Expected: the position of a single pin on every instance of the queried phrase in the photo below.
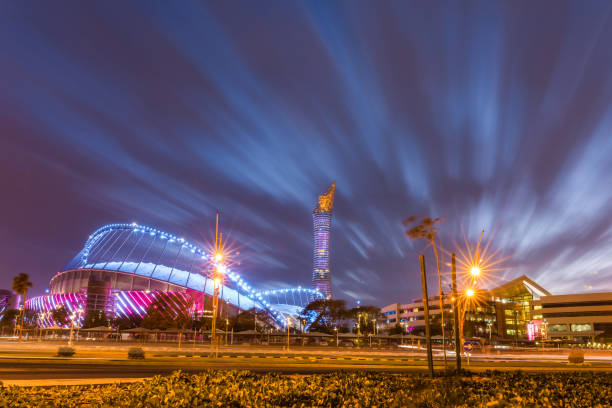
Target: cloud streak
(485, 113)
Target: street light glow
(218, 257)
(469, 292)
(475, 271)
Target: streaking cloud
(484, 113)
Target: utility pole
(426, 307)
(456, 314)
(288, 325)
(217, 276)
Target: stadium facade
(322, 219)
(123, 268)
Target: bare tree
(426, 229)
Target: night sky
(497, 116)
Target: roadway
(36, 363)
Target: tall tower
(322, 218)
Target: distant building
(322, 219)
(519, 309)
(8, 300)
(577, 317)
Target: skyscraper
(322, 218)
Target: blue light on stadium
(122, 270)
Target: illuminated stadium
(123, 268)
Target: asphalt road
(59, 369)
(36, 362)
(67, 370)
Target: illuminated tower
(322, 218)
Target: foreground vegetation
(364, 389)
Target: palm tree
(21, 283)
(427, 230)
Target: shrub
(577, 389)
(576, 356)
(65, 351)
(136, 353)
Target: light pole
(455, 312)
(41, 321)
(226, 326)
(337, 340)
(218, 271)
(358, 329)
(374, 331)
(288, 326)
(216, 284)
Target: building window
(579, 314)
(580, 327)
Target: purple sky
(495, 115)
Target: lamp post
(226, 326)
(40, 326)
(288, 326)
(456, 313)
(218, 271)
(337, 340)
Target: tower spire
(326, 201)
(322, 217)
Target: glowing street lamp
(475, 271)
(218, 271)
(469, 292)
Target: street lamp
(217, 284)
(41, 321)
(226, 327)
(218, 271)
(475, 271)
(288, 326)
(337, 340)
(469, 292)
